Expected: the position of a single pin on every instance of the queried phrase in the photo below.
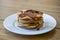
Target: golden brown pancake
(30, 19)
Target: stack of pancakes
(30, 19)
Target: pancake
(30, 19)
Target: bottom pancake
(30, 26)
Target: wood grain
(6, 35)
(9, 7)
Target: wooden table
(51, 7)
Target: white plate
(10, 24)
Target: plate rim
(28, 34)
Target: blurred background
(12, 6)
(9, 7)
